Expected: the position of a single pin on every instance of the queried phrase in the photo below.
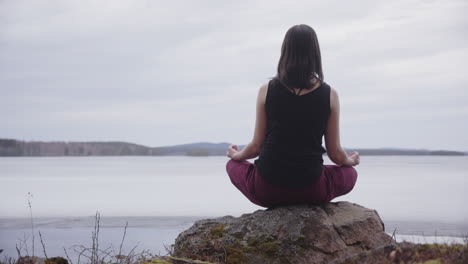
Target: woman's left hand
(232, 150)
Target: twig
(95, 238)
(393, 237)
(7, 260)
(81, 253)
(103, 254)
(169, 250)
(66, 254)
(30, 196)
(95, 255)
(43, 245)
(133, 249)
(25, 244)
(123, 239)
(18, 251)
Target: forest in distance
(18, 148)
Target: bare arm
(332, 136)
(253, 148)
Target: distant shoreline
(404, 227)
(18, 148)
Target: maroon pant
(334, 181)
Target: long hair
(300, 60)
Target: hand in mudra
(354, 156)
(232, 149)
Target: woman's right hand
(353, 158)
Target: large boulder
(289, 234)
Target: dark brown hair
(300, 60)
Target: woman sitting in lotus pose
(294, 111)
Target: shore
(157, 234)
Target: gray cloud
(166, 73)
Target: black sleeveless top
(291, 155)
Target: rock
(289, 234)
(39, 260)
(30, 260)
(56, 260)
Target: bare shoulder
(262, 92)
(333, 92)
(334, 99)
(263, 88)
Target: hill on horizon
(15, 148)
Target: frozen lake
(415, 194)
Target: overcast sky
(170, 72)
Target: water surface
(416, 195)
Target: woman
(294, 111)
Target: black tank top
(291, 155)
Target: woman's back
(291, 155)
(288, 133)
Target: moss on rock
(217, 231)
